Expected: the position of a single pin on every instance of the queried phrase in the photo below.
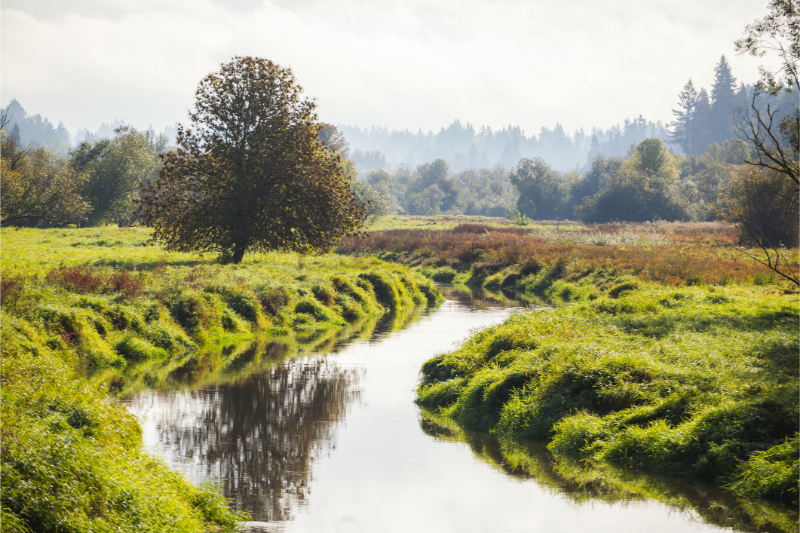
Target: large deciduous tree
(252, 172)
(542, 191)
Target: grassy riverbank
(585, 484)
(85, 312)
(694, 381)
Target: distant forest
(35, 130)
(701, 118)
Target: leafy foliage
(38, 187)
(644, 188)
(254, 173)
(115, 171)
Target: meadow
(90, 314)
(667, 350)
(668, 253)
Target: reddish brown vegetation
(491, 250)
(12, 288)
(84, 279)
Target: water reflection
(255, 418)
(583, 484)
(231, 362)
(478, 299)
(259, 419)
(258, 435)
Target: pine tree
(682, 128)
(723, 93)
(701, 123)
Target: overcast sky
(418, 64)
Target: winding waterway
(323, 435)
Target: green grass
(89, 311)
(584, 483)
(697, 382)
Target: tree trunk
(238, 253)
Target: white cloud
(400, 64)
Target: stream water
(324, 436)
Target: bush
(763, 206)
(443, 274)
(196, 311)
(137, 349)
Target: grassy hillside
(694, 381)
(85, 312)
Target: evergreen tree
(15, 134)
(723, 93)
(702, 134)
(681, 128)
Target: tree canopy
(252, 172)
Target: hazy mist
(403, 65)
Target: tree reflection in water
(260, 434)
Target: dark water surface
(324, 436)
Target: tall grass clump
(696, 382)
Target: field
(668, 253)
(88, 313)
(678, 354)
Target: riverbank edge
(458, 385)
(71, 457)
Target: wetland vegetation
(96, 311)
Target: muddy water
(330, 440)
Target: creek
(323, 435)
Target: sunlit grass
(88, 311)
(696, 381)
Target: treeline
(35, 130)
(463, 147)
(653, 184)
(28, 130)
(432, 189)
(96, 183)
(703, 118)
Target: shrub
(443, 274)
(196, 310)
(13, 288)
(315, 310)
(137, 349)
(126, 283)
(324, 294)
(384, 289)
(272, 299)
(622, 288)
(75, 278)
